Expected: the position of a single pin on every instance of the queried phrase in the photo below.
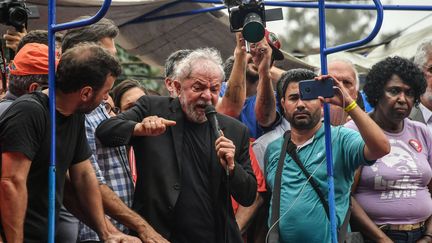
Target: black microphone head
(210, 110)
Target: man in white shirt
(423, 59)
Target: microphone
(210, 113)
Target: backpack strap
(292, 151)
(290, 148)
(274, 233)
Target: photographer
(249, 95)
(13, 37)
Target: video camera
(248, 17)
(14, 13)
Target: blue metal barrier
(324, 51)
(52, 28)
(150, 16)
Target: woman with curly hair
(395, 192)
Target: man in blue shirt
(302, 215)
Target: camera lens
(253, 28)
(308, 90)
(17, 16)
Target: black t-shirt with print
(25, 128)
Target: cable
(295, 200)
(308, 179)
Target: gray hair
(185, 66)
(422, 53)
(349, 63)
(90, 33)
(19, 85)
(173, 60)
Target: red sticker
(415, 144)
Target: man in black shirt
(182, 189)
(85, 74)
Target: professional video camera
(249, 17)
(14, 13)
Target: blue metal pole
(149, 17)
(52, 28)
(328, 145)
(370, 37)
(331, 5)
(180, 14)
(324, 52)
(143, 18)
(52, 102)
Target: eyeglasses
(109, 108)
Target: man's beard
(87, 107)
(305, 123)
(192, 114)
(251, 75)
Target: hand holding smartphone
(311, 89)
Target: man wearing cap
(25, 145)
(249, 94)
(28, 73)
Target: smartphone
(311, 89)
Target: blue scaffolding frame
(152, 16)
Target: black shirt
(25, 128)
(194, 212)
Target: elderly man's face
(427, 70)
(199, 89)
(344, 73)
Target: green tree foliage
(342, 26)
(134, 68)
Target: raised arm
(231, 104)
(14, 171)
(376, 142)
(265, 106)
(136, 121)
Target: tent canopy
(153, 41)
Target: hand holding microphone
(225, 148)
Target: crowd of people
(135, 166)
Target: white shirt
(259, 146)
(427, 115)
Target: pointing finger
(168, 123)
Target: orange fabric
(261, 185)
(30, 60)
(132, 164)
